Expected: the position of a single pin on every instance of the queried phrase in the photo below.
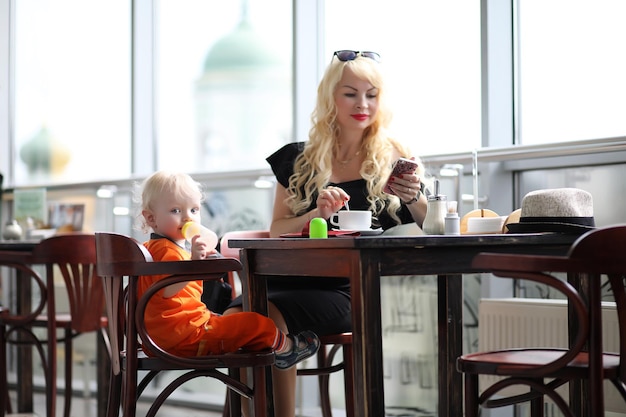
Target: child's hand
(199, 249)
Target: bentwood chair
(330, 344)
(120, 257)
(541, 370)
(71, 256)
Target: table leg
(256, 289)
(450, 335)
(24, 364)
(369, 399)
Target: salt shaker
(12, 230)
(436, 213)
(452, 222)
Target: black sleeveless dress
(318, 304)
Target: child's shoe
(304, 345)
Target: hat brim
(540, 227)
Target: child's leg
(244, 330)
(284, 381)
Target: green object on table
(318, 228)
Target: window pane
(572, 83)
(223, 83)
(431, 52)
(72, 90)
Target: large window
(432, 55)
(223, 83)
(572, 70)
(72, 90)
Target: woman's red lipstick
(360, 117)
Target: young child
(176, 317)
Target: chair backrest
(117, 257)
(603, 251)
(234, 252)
(239, 234)
(74, 256)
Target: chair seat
(518, 362)
(336, 339)
(63, 320)
(229, 360)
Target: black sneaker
(304, 345)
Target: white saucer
(366, 232)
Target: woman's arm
(283, 220)
(329, 201)
(418, 209)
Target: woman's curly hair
(313, 167)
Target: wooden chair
(543, 370)
(120, 256)
(330, 344)
(73, 256)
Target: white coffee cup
(352, 219)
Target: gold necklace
(345, 161)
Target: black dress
(318, 304)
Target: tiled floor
(87, 408)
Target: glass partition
(571, 78)
(72, 90)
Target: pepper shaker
(452, 221)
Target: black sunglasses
(351, 55)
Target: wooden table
(364, 260)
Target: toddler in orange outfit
(176, 318)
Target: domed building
(243, 101)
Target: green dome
(243, 48)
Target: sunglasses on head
(352, 55)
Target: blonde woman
(348, 157)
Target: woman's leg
(284, 381)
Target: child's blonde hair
(176, 183)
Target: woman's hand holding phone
(403, 166)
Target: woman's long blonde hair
(313, 167)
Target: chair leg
(348, 382)
(471, 395)
(233, 400)
(323, 382)
(68, 373)
(536, 407)
(260, 393)
(115, 395)
(226, 410)
(5, 403)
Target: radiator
(520, 322)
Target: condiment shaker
(436, 213)
(12, 230)
(452, 221)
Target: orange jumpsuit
(184, 326)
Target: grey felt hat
(563, 210)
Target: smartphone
(402, 166)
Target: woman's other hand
(330, 200)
